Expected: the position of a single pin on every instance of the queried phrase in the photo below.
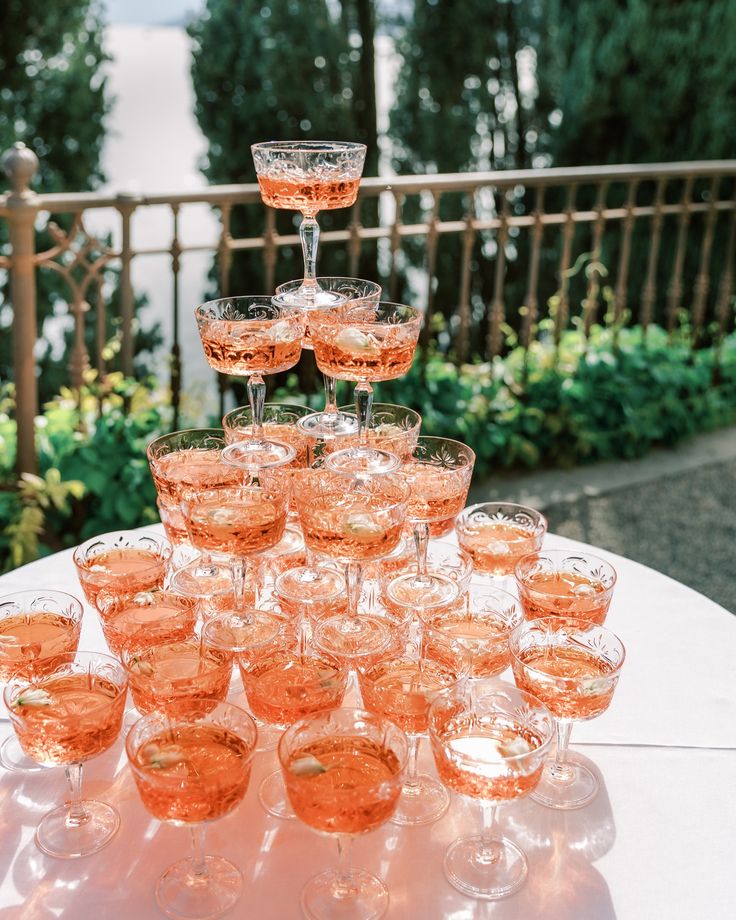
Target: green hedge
(615, 395)
(94, 475)
(607, 398)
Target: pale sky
(151, 12)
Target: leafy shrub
(92, 460)
(615, 395)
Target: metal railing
(503, 219)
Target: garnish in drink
(123, 563)
(558, 583)
(573, 667)
(497, 535)
(192, 772)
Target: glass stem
(411, 782)
(256, 570)
(343, 884)
(303, 637)
(199, 856)
(237, 567)
(488, 850)
(421, 542)
(330, 397)
(257, 399)
(561, 769)
(354, 581)
(77, 814)
(363, 406)
(309, 236)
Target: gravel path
(683, 525)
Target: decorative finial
(20, 164)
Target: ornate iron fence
(506, 219)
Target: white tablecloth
(658, 841)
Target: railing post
(126, 206)
(20, 165)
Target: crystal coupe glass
(489, 741)
(331, 423)
(343, 773)
(563, 583)
(67, 716)
(573, 667)
(401, 686)
(365, 343)
(248, 337)
(498, 534)
(438, 475)
(36, 626)
(309, 176)
(190, 769)
(353, 521)
(188, 458)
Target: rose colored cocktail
(343, 774)
(401, 686)
(489, 741)
(498, 534)
(67, 716)
(187, 459)
(480, 623)
(191, 768)
(166, 673)
(573, 667)
(365, 343)
(163, 613)
(124, 563)
(309, 176)
(561, 583)
(36, 626)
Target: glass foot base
(352, 638)
(488, 872)
(362, 460)
(13, 758)
(203, 580)
(182, 894)
(421, 803)
(328, 426)
(425, 592)
(310, 297)
(258, 455)
(273, 798)
(355, 895)
(564, 792)
(55, 836)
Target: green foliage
(564, 83)
(54, 99)
(274, 71)
(464, 103)
(461, 102)
(53, 94)
(35, 496)
(95, 476)
(641, 81)
(616, 395)
(613, 395)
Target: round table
(658, 840)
